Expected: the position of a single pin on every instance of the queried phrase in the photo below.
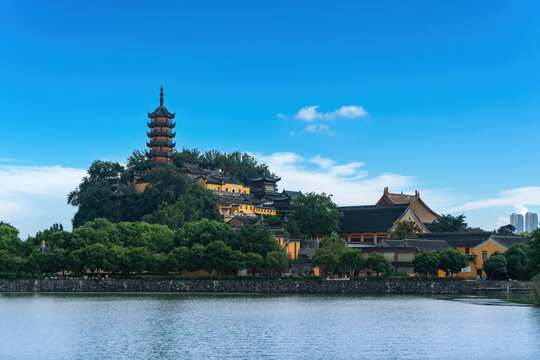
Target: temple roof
(370, 218)
(505, 241)
(161, 111)
(458, 238)
(424, 213)
(263, 177)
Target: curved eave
(161, 134)
(161, 144)
(161, 111)
(153, 124)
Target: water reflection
(171, 326)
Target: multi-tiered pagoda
(161, 135)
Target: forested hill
(107, 190)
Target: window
(484, 255)
(467, 251)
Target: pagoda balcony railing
(154, 153)
(169, 134)
(160, 143)
(167, 124)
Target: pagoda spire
(161, 96)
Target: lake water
(184, 326)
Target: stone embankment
(277, 286)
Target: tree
(327, 256)
(9, 239)
(507, 230)
(95, 256)
(452, 260)
(534, 253)
(495, 266)
(518, 266)
(316, 214)
(98, 231)
(118, 260)
(325, 261)
(217, 256)
(30, 266)
(351, 261)
(94, 196)
(195, 260)
(277, 261)
(138, 259)
(253, 261)
(427, 263)
(177, 260)
(254, 239)
(4, 261)
(204, 232)
(449, 223)
(379, 263)
(405, 230)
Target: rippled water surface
(172, 326)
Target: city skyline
(346, 100)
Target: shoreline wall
(278, 286)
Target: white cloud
(310, 113)
(514, 197)
(319, 128)
(520, 209)
(322, 162)
(349, 183)
(502, 221)
(33, 198)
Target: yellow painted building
(478, 254)
(223, 184)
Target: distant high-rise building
(531, 221)
(518, 222)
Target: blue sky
(450, 93)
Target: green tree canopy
(9, 239)
(534, 253)
(315, 214)
(277, 261)
(427, 263)
(379, 263)
(452, 260)
(351, 261)
(253, 261)
(506, 230)
(518, 266)
(405, 230)
(495, 266)
(449, 223)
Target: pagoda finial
(161, 96)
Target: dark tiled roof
(458, 238)
(388, 243)
(369, 218)
(292, 194)
(508, 241)
(427, 245)
(263, 177)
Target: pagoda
(161, 135)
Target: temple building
(160, 145)
(365, 226)
(424, 213)
(264, 186)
